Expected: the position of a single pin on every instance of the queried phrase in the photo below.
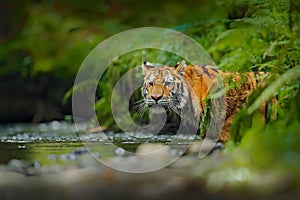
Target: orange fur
(198, 82)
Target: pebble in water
(16, 165)
(120, 151)
(22, 147)
(23, 167)
(55, 125)
(70, 156)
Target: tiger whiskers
(140, 107)
(172, 106)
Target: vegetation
(253, 36)
(241, 36)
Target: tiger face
(165, 86)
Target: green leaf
(272, 90)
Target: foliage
(268, 41)
(263, 38)
(53, 36)
(247, 35)
(266, 38)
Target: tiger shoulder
(177, 87)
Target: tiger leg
(225, 133)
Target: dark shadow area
(33, 99)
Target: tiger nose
(156, 98)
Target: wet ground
(50, 161)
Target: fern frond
(272, 90)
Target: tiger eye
(150, 83)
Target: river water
(60, 142)
(52, 161)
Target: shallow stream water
(62, 143)
(52, 161)
(37, 142)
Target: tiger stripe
(196, 82)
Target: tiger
(182, 85)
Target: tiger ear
(180, 67)
(146, 66)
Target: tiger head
(165, 86)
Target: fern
(262, 35)
(265, 39)
(289, 76)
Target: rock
(147, 158)
(120, 151)
(204, 147)
(154, 156)
(17, 166)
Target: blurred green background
(43, 44)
